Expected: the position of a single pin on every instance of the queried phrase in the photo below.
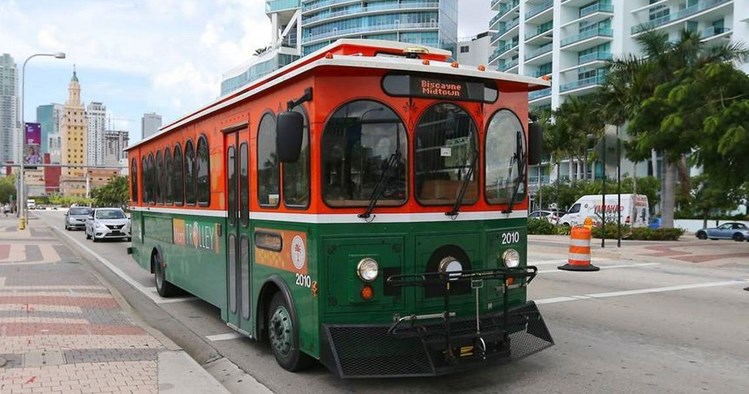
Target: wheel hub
(281, 331)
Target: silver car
(108, 223)
(76, 217)
(731, 230)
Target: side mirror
(535, 143)
(289, 135)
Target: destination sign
(429, 87)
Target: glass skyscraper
(301, 27)
(8, 108)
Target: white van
(30, 204)
(634, 210)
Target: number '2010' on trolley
(365, 206)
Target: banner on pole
(32, 143)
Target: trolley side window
(364, 144)
(296, 175)
(202, 173)
(169, 169)
(505, 144)
(159, 178)
(143, 176)
(151, 180)
(189, 173)
(134, 180)
(446, 156)
(178, 187)
(268, 175)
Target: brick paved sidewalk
(61, 328)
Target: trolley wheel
(283, 336)
(701, 235)
(163, 287)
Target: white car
(549, 216)
(108, 223)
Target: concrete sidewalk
(65, 330)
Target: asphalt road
(645, 323)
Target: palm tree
(578, 122)
(633, 80)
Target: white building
(96, 115)
(150, 123)
(301, 27)
(570, 41)
(474, 50)
(115, 141)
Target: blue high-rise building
(301, 27)
(49, 117)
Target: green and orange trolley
(365, 206)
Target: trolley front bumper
(369, 351)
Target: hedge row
(543, 227)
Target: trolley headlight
(367, 269)
(511, 258)
(451, 266)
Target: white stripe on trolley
(335, 218)
(556, 300)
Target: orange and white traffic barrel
(579, 257)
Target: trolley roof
(360, 53)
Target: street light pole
(21, 186)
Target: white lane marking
(563, 261)
(225, 337)
(147, 291)
(604, 267)
(639, 291)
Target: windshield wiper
(520, 157)
(380, 186)
(463, 188)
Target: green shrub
(639, 233)
(540, 227)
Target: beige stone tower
(73, 131)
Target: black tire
(87, 236)
(701, 235)
(163, 287)
(738, 237)
(93, 238)
(283, 336)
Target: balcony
(687, 12)
(582, 83)
(494, 5)
(372, 8)
(509, 26)
(591, 57)
(539, 94)
(601, 32)
(501, 51)
(280, 5)
(508, 65)
(368, 30)
(713, 31)
(537, 32)
(539, 9)
(320, 4)
(542, 50)
(598, 7)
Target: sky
(138, 56)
